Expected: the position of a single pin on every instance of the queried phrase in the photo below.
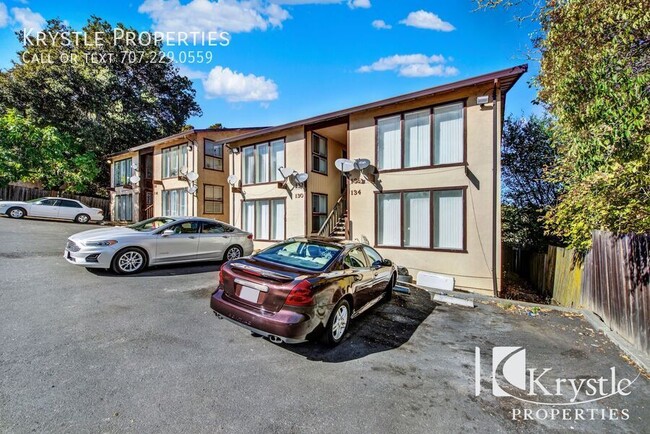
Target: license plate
(249, 294)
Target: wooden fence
(13, 192)
(612, 280)
(616, 284)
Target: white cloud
(412, 65)
(365, 4)
(305, 2)
(236, 87)
(381, 24)
(234, 16)
(191, 73)
(27, 19)
(4, 15)
(427, 20)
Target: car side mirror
(377, 264)
(387, 263)
(167, 232)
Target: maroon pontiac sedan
(303, 288)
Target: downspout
(495, 174)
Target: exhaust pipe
(218, 315)
(275, 339)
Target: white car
(52, 207)
(156, 241)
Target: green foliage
(105, 102)
(595, 83)
(526, 153)
(43, 155)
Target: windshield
(301, 254)
(151, 224)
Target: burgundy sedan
(303, 288)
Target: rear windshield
(300, 254)
(151, 224)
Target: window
(70, 204)
(318, 154)
(405, 219)
(372, 255)
(260, 163)
(213, 158)
(448, 219)
(174, 202)
(318, 211)
(213, 228)
(390, 143)
(123, 207)
(449, 132)
(185, 228)
(355, 259)
(173, 159)
(417, 139)
(264, 218)
(405, 140)
(213, 199)
(121, 172)
(388, 219)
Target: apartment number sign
(355, 192)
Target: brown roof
(507, 78)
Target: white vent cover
(435, 281)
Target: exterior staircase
(334, 226)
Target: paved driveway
(88, 351)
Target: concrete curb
(642, 360)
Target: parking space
(92, 351)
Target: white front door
(213, 241)
(180, 246)
(45, 208)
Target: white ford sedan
(52, 207)
(156, 241)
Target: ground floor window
(264, 218)
(318, 211)
(174, 202)
(424, 219)
(213, 199)
(123, 207)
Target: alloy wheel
(130, 262)
(17, 213)
(340, 322)
(233, 253)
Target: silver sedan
(156, 241)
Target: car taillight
(221, 276)
(250, 236)
(301, 295)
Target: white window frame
(173, 158)
(181, 202)
(254, 175)
(275, 227)
(123, 207)
(122, 172)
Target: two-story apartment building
(430, 199)
(160, 170)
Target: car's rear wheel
(129, 261)
(82, 218)
(233, 252)
(338, 323)
(16, 213)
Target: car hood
(107, 234)
(11, 202)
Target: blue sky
(290, 59)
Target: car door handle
(357, 278)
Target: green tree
(526, 154)
(594, 81)
(108, 96)
(43, 155)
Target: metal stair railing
(333, 217)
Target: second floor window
(213, 155)
(121, 172)
(319, 154)
(260, 163)
(173, 159)
(406, 140)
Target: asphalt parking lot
(85, 351)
